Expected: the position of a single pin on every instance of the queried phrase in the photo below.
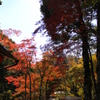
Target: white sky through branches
(21, 15)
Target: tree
(7, 46)
(50, 74)
(75, 76)
(96, 7)
(98, 48)
(68, 16)
(22, 71)
(6, 89)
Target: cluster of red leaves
(62, 13)
(12, 79)
(51, 67)
(21, 88)
(24, 52)
(24, 55)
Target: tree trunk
(46, 90)
(92, 73)
(65, 86)
(25, 86)
(30, 86)
(85, 55)
(98, 49)
(40, 95)
(87, 72)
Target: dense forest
(71, 60)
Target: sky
(21, 15)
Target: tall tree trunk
(87, 72)
(46, 90)
(65, 86)
(92, 73)
(98, 49)
(40, 95)
(25, 86)
(30, 86)
(85, 55)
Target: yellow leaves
(94, 61)
(80, 91)
(18, 91)
(47, 69)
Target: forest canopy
(71, 61)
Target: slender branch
(10, 65)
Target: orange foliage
(24, 52)
(48, 70)
(50, 67)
